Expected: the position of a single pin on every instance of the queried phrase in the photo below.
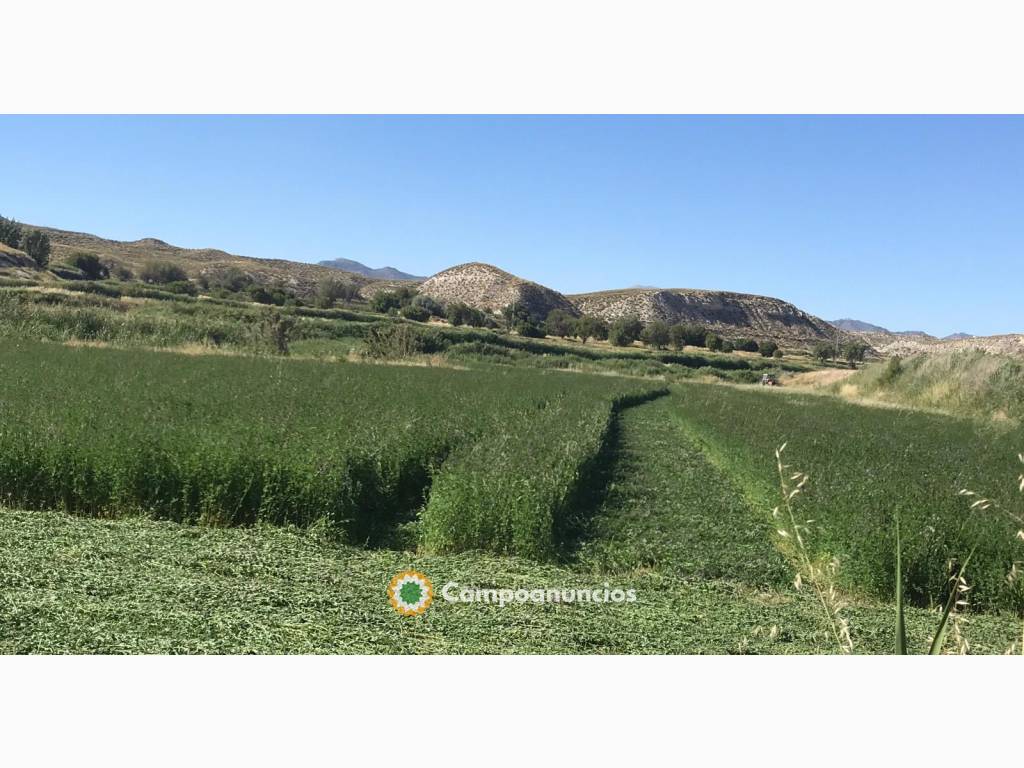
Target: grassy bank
(868, 465)
(966, 383)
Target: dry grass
(820, 576)
(417, 361)
(826, 377)
(963, 383)
(190, 350)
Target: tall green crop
(237, 440)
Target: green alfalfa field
(155, 501)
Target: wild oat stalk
(982, 504)
(821, 579)
(957, 618)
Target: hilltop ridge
(489, 288)
(729, 314)
(299, 276)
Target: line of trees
(852, 352)
(657, 334)
(33, 242)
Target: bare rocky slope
(490, 289)
(732, 315)
(1005, 344)
(298, 276)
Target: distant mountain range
(486, 287)
(859, 326)
(383, 273)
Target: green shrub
(714, 342)
(854, 352)
(10, 233)
(89, 264)
(400, 340)
(767, 348)
(415, 312)
(37, 245)
(119, 271)
(656, 334)
(624, 331)
(183, 287)
(458, 313)
(275, 295)
(591, 327)
(276, 330)
(229, 279)
(688, 334)
(387, 301)
(161, 272)
(823, 351)
(529, 330)
(332, 290)
(513, 314)
(429, 305)
(559, 323)
(893, 369)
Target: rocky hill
(732, 315)
(490, 289)
(379, 273)
(298, 276)
(1005, 344)
(13, 258)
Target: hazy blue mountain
(858, 326)
(383, 273)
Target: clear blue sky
(911, 223)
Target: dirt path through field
(669, 508)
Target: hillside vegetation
(726, 313)
(970, 382)
(196, 262)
